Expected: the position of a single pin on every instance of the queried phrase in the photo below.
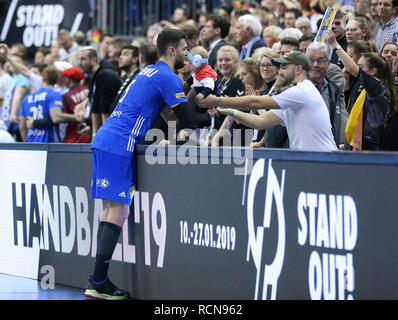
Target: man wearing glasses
(330, 89)
(300, 107)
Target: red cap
(74, 73)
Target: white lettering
(336, 221)
(350, 223)
(322, 226)
(82, 224)
(315, 276)
(301, 207)
(66, 200)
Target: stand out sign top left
(36, 23)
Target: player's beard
(179, 62)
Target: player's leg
(109, 182)
(99, 283)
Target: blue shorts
(113, 177)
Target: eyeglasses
(319, 61)
(266, 66)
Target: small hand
(250, 91)
(225, 111)
(14, 118)
(199, 98)
(330, 38)
(212, 112)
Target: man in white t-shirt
(300, 107)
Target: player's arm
(57, 116)
(241, 103)
(188, 118)
(56, 106)
(264, 121)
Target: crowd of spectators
(357, 62)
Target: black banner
(36, 23)
(201, 229)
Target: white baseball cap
(62, 65)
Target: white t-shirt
(306, 118)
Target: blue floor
(18, 288)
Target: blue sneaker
(105, 290)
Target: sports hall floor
(18, 288)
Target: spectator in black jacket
(129, 64)
(104, 85)
(214, 32)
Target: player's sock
(105, 247)
(100, 227)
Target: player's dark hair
(167, 38)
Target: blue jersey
(37, 105)
(144, 99)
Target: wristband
(232, 113)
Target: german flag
(353, 130)
(95, 35)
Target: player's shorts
(113, 177)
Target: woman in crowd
(390, 51)
(355, 49)
(390, 133)
(358, 28)
(275, 137)
(373, 74)
(230, 85)
(249, 75)
(271, 35)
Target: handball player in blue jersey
(113, 166)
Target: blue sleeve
(173, 91)
(55, 100)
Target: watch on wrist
(338, 47)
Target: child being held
(204, 78)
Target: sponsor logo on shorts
(122, 194)
(103, 183)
